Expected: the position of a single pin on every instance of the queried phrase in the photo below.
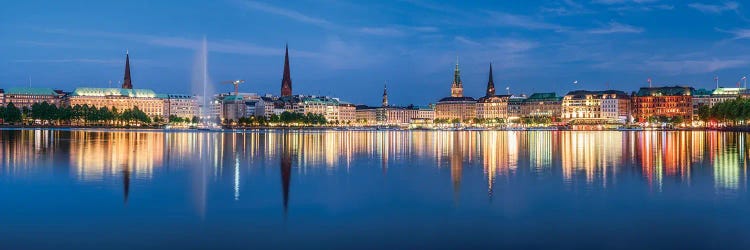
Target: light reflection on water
(245, 166)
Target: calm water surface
(79, 189)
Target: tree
(704, 113)
(195, 119)
(12, 113)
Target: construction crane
(236, 84)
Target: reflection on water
(594, 158)
(425, 182)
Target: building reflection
(592, 159)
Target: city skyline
(534, 48)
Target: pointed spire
(490, 84)
(126, 83)
(385, 95)
(457, 88)
(286, 81)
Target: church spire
(286, 81)
(457, 88)
(490, 84)
(126, 83)
(385, 96)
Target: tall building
(670, 102)
(457, 106)
(126, 81)
(286, 81)
(492, 106)
(183, 106)
(385, 96)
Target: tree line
(48, 114)
(286, 118)
(732, 112)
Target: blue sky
(350, 49)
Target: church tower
(490, 84)
(457, 88)
(286, 81)
(126, 83)
(385, 96)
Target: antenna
(29, 81)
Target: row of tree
(286, 118)
(733, 112)
(49, 114)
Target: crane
(236, 84)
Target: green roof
(702, 92)
(140, 93)
(728, 91)
(537, 97)
(233, 98)
(666, 91)
(30, 91)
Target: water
(383, 189)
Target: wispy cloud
(615, 27)
(71, 60)
(292, 14)
(693, 66)
(610, 2)
(521, 21)
(466, 41)
(715, 8)
(738, 33)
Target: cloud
(693, 66)
(466, 41)
(525, 22)
(611, 2)
(715, 8)
(738, 33)
(71, 60)
(292, 14)
(615, 27)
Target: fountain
(201, 85)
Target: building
(514, 106)
(701, 97)
(595, 107)
(542, 105)
(182, 106)
(721, 94)
(616, 107)
(121, 99)
(457, 106)
(669, 102)
(366, 115)
(2, 98)
(25, 97)
(286, 80)
(492, 106)
(347, 112)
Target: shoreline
(367, 128)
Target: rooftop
(537, 97)
(457, 99)
(30, 91)
(101, 92)
(665, 91)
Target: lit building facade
(541, 105)
(676, 101)
(366, 115)
(347, 112)
(121, 99)
(514, 106)
(183, 106)
(25, 97)
(595, 107)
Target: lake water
(89, 189)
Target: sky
(351, 49)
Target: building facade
(671, 102)
(595, 107)
(492, 106)
(25, 97)
(542, 105)
(121, 99)
(182, 106)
